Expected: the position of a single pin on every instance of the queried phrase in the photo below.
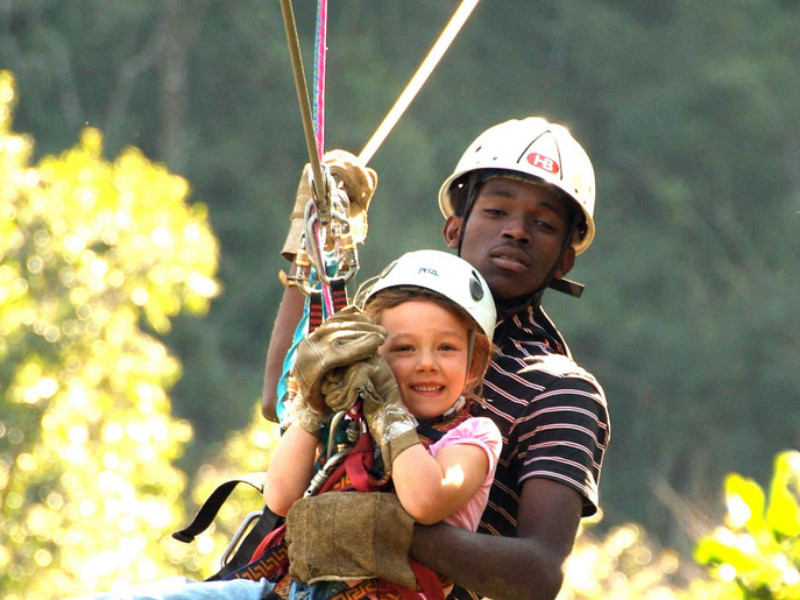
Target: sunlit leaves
(754, 555)
(757, 548)
(783, 514)
(94, 254)
(243, 452)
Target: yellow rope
(418, 80)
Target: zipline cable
(418, 80)
(321, 49)
(318, 181)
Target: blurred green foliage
(94, 254)
(755, 553)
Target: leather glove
(392, 427)
(349, 535)
(341, 387)
(305, 417)
(356, 181)
(359, 183)
(346, 337)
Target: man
(518, 207)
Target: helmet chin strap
(455, 408)
(566, 286)
(470, 194)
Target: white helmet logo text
(542, 162)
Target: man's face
(514, 236)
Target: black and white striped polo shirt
(551, 412)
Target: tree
(755, 553)
(97, 257)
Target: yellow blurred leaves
(90, 251)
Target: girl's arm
(290, 469)
(433, 488)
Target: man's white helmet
(535, 148)
(445, 274)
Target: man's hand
(529, 565)
(357, 182)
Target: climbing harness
(263, 553)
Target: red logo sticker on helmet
(542, 162)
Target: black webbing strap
(206, 514)
(338, 289)
(338, 293)
(267, 521)
(427, 431)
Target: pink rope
(319, 74)
(319, 114)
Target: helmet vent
(475, 287)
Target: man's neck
(511, 306)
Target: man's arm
(358, 183)
(529, 566)
(289, 313)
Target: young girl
(430, 316)
(438, 316)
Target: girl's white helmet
(535, 148)
(447, 275)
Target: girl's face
(426, 348)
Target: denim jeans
(322, 590)
(181, 588)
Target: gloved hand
(346, 337)
(349, 535)
(392, 427)
(340, 387)
(305, 417)
(357, 181)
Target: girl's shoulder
(476, 430)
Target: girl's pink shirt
(481, 432)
